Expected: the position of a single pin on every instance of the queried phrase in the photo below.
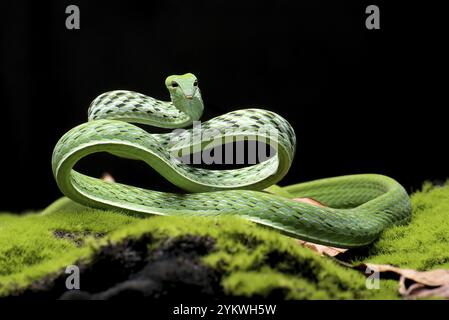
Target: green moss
(29, 249)
(253, 260)
(422, 244)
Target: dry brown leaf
(416, 284)
(321, 249)
(418, 290)
(436, 277)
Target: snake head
(185, 94)
(182, 86)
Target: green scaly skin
(358, 207)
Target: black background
(360, 100)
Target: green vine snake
(357, 208)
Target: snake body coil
(358, 207)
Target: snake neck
(192, 107)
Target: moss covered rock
(120, 255)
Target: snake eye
(174, 84)
(195, 83)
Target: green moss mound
(424, 243)
(252, 261)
